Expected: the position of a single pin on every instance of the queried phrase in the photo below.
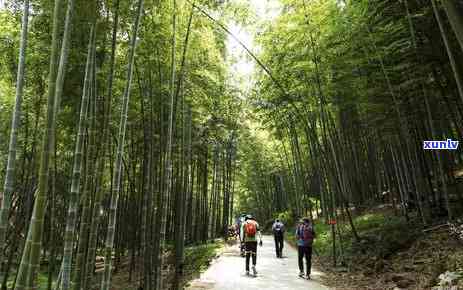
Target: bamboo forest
(181, 144)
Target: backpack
(306, 234)
(278, 230)
(250, 228)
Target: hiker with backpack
(278, 229)
(249, 232)
(240, 224)
(305, 234)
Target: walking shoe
(301, 274)
(247, 272)
(254, 270)
(308, 276)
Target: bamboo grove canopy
(126, 135)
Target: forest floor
(197, 259)
(391, 254)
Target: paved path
(227, 272)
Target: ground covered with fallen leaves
(393, 254)
(197, 259)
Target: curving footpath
(227, 272)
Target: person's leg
(306, 255)
(309, 260)
(276, 245)
(248, 255)
(254, 253)
(282, 242)
(300, 257)
(254, 257)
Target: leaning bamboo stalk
(31, 253)
(96, 217)
(109, 243)
(450, 54)
(15, 124)
(455, 19)
(20, 282)
(80, 269)
(77, 169)
(41, 197)
(53, 228)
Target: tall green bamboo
(168, 159)
(77, 167)
(31, 252)
(40, 204)
(15, 123)
(79, 271)
(448, 47)
(455, 18)
(106, 279)
(101, 168)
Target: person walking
(278, 229)
(305, 234)
(249, 232)
(240, 225)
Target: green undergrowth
(42, 280)
(380, 235)
(198, 258)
